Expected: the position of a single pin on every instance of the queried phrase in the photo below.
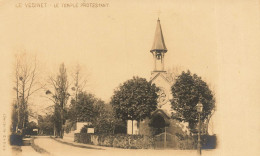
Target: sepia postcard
(111, 77)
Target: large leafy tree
(88, 108)
(135, 99)
(105, 120)
(187, 91)
(82, 109)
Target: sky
(113, 44)
(216, 39)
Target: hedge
(190, 142)
(16, 139)
(143, 142)
(116, 140)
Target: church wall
(162, 83)
(144, 128)
(174, 128)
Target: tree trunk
(54, 131)
(61, 130)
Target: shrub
(16, 139)
(186, 142)
(82, 138)
(143, 142)
(209, 141)
(191, 142)
(116, 140)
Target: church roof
(161, 112)
(158, 43)
(162, 74)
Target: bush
(191, 142)
(16, 139)
(143, 142)
(187, 143)
(116, 140)
(209, 141)
(82, 138)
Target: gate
(165, 140)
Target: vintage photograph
(107, 77)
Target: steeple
(158, 49)
(158, 43)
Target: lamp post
(199, 110)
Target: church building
(161, 120)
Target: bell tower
(158, 49)
(159, 76)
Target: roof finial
(159, 13)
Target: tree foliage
(29, 129)
(88, 108)
(188, 91)
(135, 99)
(105, 120)
(82, 110)
(45, 124)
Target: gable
(160, 80)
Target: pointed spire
(158, 43)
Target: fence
(162, 140)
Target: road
(56, 148)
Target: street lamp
(199, 110)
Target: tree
(135, 99)
(105, 121)
(83, 109)
(26, 83)
(59, 96)
(45, 124)
(90, 109)
(29, 129)
(187, 91)
(79, 82)
(14, 117)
